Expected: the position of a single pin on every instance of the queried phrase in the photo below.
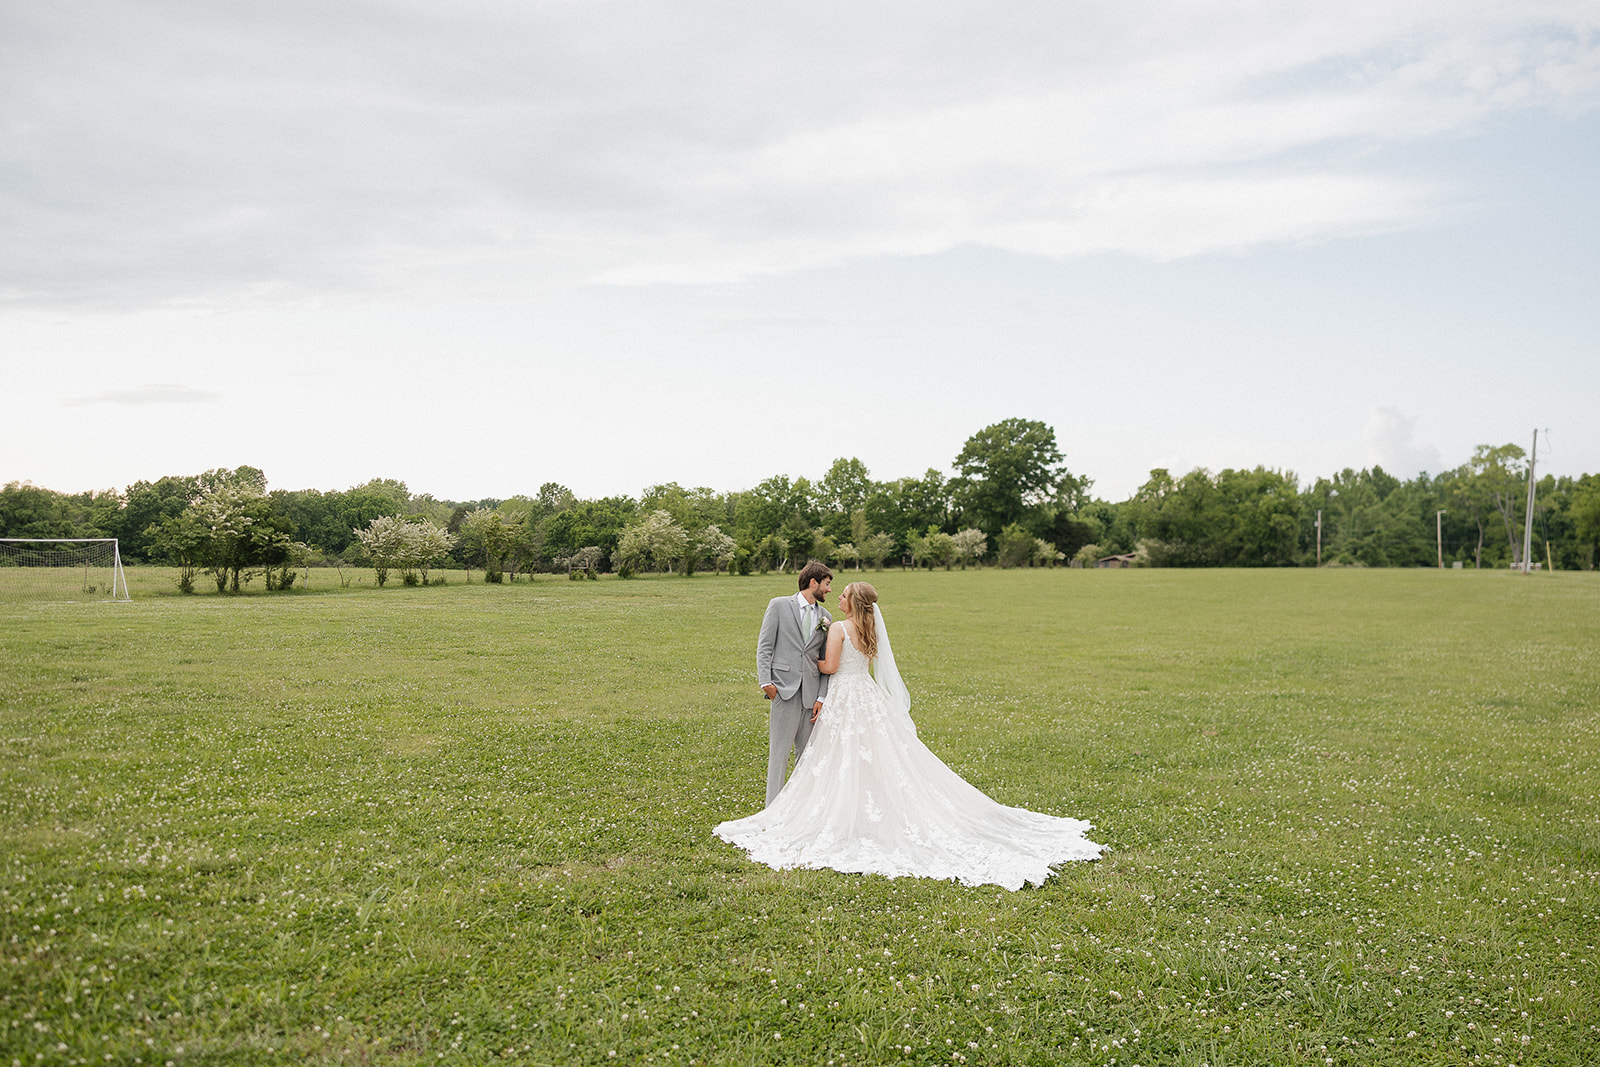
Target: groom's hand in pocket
(771, 691)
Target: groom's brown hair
(813, 571)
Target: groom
(794, 632)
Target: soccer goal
(50, 568)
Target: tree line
(1010, 501)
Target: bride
(869, 797)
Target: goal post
(61, 568)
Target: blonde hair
(862, 597)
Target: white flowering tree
(971, 545)
(237, 534)
(391, 541)
(430, 543)
(385, 542)
(657, 540)
(1045, 554)
(716, 547)
(848, 553)
(583, 563)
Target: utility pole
(1527, 522)
(1319, 537)
(1438, 533)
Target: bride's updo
(862, 597)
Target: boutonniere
(823, 622)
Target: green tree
(359, 505)
(314, 516)
(1372, 518)
(801, 538)
(1585, 513)
(770, 552)
(1015, 546)
(1063, 527)
(906, 507)
(1005, 469)
(183, 541)
(146, 505)
(840, 494)
(526, 550)
(939, 548)
(877, 548)
(1499, 477)
(490, 536)
(588, 523)
(28, 510)
(766, 508)
(1237, 518)
(858, 524)
(554, 497)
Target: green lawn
(1355, 818)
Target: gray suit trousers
(790, 728)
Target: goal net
(61, 569)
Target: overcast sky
(481, 246)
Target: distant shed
(1124, 560)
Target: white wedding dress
(869, 797)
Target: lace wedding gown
(869, 797)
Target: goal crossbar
(35, 568)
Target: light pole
(1527, 525)
(1438, 533)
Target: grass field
(1355, 818)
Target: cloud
(146, 395)
(161, 153)
(1390, 440)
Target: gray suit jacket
(786, 656)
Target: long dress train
(869, 797)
